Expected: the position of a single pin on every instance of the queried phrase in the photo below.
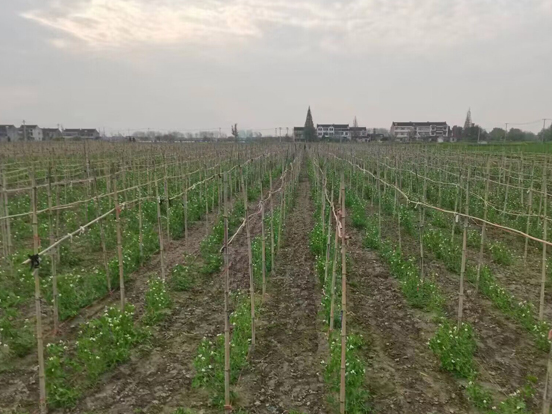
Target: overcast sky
(198, 64)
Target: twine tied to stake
(35, 261)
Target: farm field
(274, 278)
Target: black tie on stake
(35, 261)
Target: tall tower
(309, 133)
(468, 124)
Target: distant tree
(497, 134)
(235, 131)
(546, 135)
(474, 133)
(309, 133)
(516, 134)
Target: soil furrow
(285, 372)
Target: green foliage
(372, 238)
(16, 338)
(59, 387)
(183, 275)
(357, 397)
(101, 344)
(158, 301)
(474, 239)
(209, 360)
(455, 347)
(317, 240)
(420, 293)
(478, 396)
(450, 253)
(358, 214)
(516, 403)
(501, 254)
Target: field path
(404, 375)
(285, 371)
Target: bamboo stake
(186, 183)
(102, 231)
(546, 393)
(250, 266)
(379, 200)
(7, 213)
(263, 244)
(3, 222)
(207, 207)
(160, 231)
(38, 310)
(334, 269)
(457, 202)
(343, 300)
(328, 242)
(119, 244)
(484, 227)
(464, 254)
(55, 293)
(227, 405)
(282, 213)
(168, 209)
(529, 211)
(545, 237)
(271, 228)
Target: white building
(339, 131)
(30, 133)
(415, 131)
(8, 133)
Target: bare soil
(404, 376)
(285, 371)
(506, 353)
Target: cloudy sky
(199, 64)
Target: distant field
(180, 279)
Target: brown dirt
(506, 353)
(404, 376)
(285, 371)
(19, 388)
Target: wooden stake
(484, 228)
(7, 213)
(55, 293)
(168, 208)
(343, 300)
(271, 228)
(185, 205)
(227, 405)
(119, 244)
(328, 242)
(250, 267)
(544, 237)
(529, 212)
(263, 244)
(38, 310)
(464, 253)
(160, 231)
(546, 394)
